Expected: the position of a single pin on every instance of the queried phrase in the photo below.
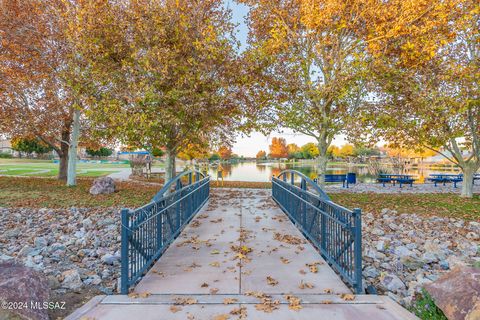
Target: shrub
(4, 155)
(426, 309)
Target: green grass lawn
(46, 168)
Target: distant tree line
(279, 149)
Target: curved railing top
(176, 180)
(307, 180)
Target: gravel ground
(389, 188)
(78, 248)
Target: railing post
(124, 251)
(357, 214)
(303, 186)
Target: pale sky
(249, 146)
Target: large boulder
(103, 185)
(457, 293)
(22, 284)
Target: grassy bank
(49, 192)
(428, 204)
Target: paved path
(241, 258)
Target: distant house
(6, 146)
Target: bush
(101, 152)
(426, 309)
(5, 155)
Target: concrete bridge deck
(241, 258)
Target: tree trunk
(63, 154)
(72, 155)
(170, 170)
(63, 166)
(322, 161)
(467, 184)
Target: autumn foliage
(278, 148)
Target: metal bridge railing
(147, 231)
(333, 229)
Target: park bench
(335, 178)
(444, 178)
(401, 179)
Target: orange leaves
(278, 148)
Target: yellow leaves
(184, 301)
(328, 290)
(305, 285)
(135, 295)
(229, 300)
(271, 281)
(293, 302)
(287, 238)
(215, 264)
(313, 266)
(175, 309)
(221, 317)
(347, 296)
(214, 290)
(242, 312)
(215, 252)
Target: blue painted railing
(148, 231)
(333, 229)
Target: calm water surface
(263, 171)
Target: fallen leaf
(271, 281)
(347, 296)
(328, 290)
(221, 317)
(293, 302)
(306, 285)
(175, 309)
(229, 300)
(285, 260)
(214, 290)
(184, 301)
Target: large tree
(163, 70)
(434, 103)
(33, 98)
(41, 85)
(312, 58)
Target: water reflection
(263, 171)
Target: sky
(248, 146)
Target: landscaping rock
(110, 258)
(19, 283)
(103, 185)
(71, 280)
(392, 283)
(419, 251)
(457, 293)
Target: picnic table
(335, 178)
(446, 177)
(394, 178)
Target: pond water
(263, 171)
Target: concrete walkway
(241, 258)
